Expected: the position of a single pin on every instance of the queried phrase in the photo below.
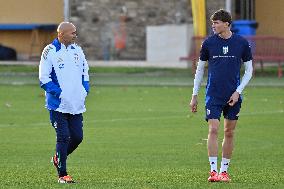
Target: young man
(225, 52)
(63, 74)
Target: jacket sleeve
(45, 69)
(85, 75)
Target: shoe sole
(65, 182)
(224, 180)
(213, 180)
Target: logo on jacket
(61, 66)
(225, 50)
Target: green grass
(102, 76)
(140, 137)
(268, 71)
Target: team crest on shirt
(225, 49)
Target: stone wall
(102, 24)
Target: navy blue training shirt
(224, 57)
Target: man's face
(69, 35)
(219, 27)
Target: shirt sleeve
(247, 76)
(45, 69)
(198, 76)
(204, 53)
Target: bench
(265, 49)
(35, 28)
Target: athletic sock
(213, 163)
(224, 165)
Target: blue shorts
(229, 112)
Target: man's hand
(193, 103)
(234, 98)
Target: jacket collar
(57, 44)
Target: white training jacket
(63, 74)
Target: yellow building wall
(29, 12)
(270, 16)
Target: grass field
(140, 137)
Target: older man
(63, 74)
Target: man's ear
(227, 24)
(60, 34)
